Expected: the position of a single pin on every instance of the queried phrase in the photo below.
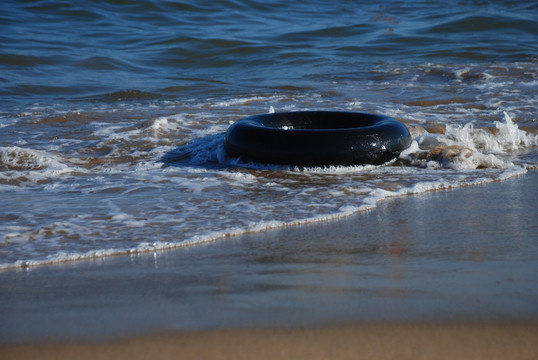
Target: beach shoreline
(402, 341)
(128, 230)
(455, 279)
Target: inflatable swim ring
(316, 138)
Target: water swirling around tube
(111, 135)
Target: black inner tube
(317, 138)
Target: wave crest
(467, 147)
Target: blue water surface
(112, 113)
(72, 50)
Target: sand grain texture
(454, 341)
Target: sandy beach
(130, 230)
(443, 275)
(469, 341)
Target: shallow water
(113, 113)
(465, 256)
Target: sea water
(113, 113)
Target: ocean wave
(23, 167)
(370, 199)
(124, 95)
(456, 147)
(465, 147)
(111, 137)
(151, 45)
(14, 158)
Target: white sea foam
(247, 100)
(21, 159)
(162, 125)
(508, 138)
(369, 203)
(466, 147)
(124, 201)
(368, 198)
(512, 137)
(28, 166)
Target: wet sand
(470, 341)
(448, 274)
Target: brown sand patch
(422, 341)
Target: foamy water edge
(377, 196)
(462, 148)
